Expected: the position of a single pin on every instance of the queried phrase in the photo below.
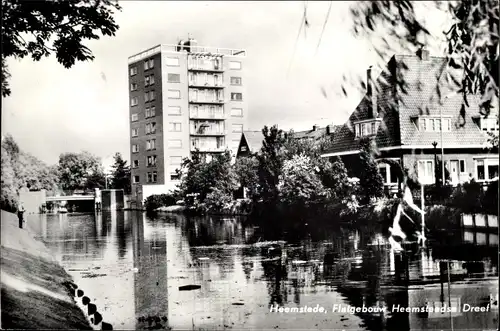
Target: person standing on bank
(20, 215)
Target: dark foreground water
(134, 269)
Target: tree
(39, 28)
(471, 40)
(300, 183)
(333, 175)
(80, 171)
(246, 170)
(203, 177)
(370, 181)
(21, 169)
(121, 174)
(271, 158)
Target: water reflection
(134, 268)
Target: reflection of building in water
(150, 284)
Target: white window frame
(153, 161)
(134, 101)
(486, 162)
(173, 159)
(174, 143)
(134, 117)
(135, 148)
(135, 132)
(133, 71)
(169, 94)
(236, 93)
(133, 86)
(235, 65)
(173, 125)
(172, 61)
(426, 179)
(237, 79)
(136, 179)
(239, 114)
(177, 112)
(173, 81)
(238, 125)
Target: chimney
(329, 129)
(315, 127)
(423, 54)
(371, 93)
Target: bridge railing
(65, 193)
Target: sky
(290, 82)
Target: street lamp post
(436, 175)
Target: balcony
(219, 101)
(207, 133)
(208, 149)
(206, 115)
(194, 67)
(216, 85)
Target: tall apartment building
(182, 98)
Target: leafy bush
(370, 180)
(468, 197)
(438, 194)
(217, 200)
(490, 198)
(156, 201)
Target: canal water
(226, 273)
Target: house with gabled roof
(251, 141)
(417, 124)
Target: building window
(133, 86)
(133, 71)
(150, 112)
(135, 132)
(149, 96)
(235, 96)
(149, 64)
(237, 112)
(149, 80)
(433, 124)
(134, 101)
(174, 94)
(136, 179)
(175, 160)
(175, 143)
(172, 61)
(489, 124)
(235, 80)
(174, 110)
(151, 128)
(174, 127)
(366, 128)
(462, 166)
(151, 160)
(174, 78)
(237, 128)
(152, 177)
(135, 117)
(486, 169)
(135, 148)
(135, 164)
(426, 171)
(150, 144)
(234, 65)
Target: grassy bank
(35, 289)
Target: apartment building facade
(182, 98)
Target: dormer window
(434, 124)
(489, 124)
(366, 128)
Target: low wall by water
(36, 292)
